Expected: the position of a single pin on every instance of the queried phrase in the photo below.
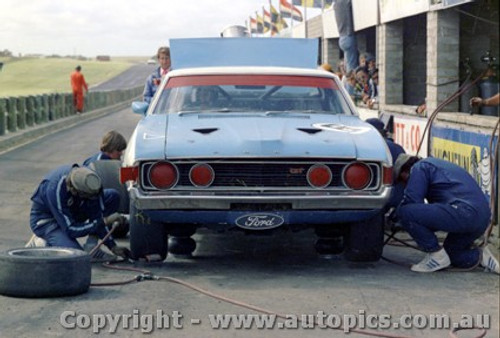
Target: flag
(287, 10)
(260, 23)
(308, 3)
(253, 26)
(282, 25)
(267, 20)
(328, 4)
(275, 21)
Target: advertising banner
(470, 150)
(408, 132)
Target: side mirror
(140, 107)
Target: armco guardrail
(18, 113)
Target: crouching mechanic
(70, 203)
(456, 205)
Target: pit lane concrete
(281, 273)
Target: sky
(115, 27)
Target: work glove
(121, 251)
(108, 220)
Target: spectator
(155, 78)
(362, 79)
(455, 204)
(351, 85)
(327, 67)
(347, 37)
(371, 65)
(112, 146)
(78, 84)
(362, 61)
(70, 203)
(373, 89)
(341, 72)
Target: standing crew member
(70, 203)
(78, 84)
(455, 205)
(153, 80)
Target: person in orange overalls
(78, 84)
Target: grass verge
(32, 76)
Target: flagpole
(270, 4)
(305, 19)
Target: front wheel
(364, 241)
(148, 239)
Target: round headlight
(357, 176)
(163, 175)
(201, 175)
(319, 176)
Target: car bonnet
(225, 135)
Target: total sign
(408, 132)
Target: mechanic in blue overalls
(112, 146)
(70, 203)
(395, 150)
(154, 79)
(456, 205)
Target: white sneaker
(36, 242)
(433, 261)
(489, 262)
(98, 256)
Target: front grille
(260, 175)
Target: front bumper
(200, 200)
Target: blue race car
(236, 138)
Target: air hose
(147, 275)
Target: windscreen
(251, 94)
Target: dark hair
(359, 69)
(377, 123)
(112, 141)
(407, 166)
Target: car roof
(284, 71)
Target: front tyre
(148, 239)
(364, 241)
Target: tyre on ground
(44, 272)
